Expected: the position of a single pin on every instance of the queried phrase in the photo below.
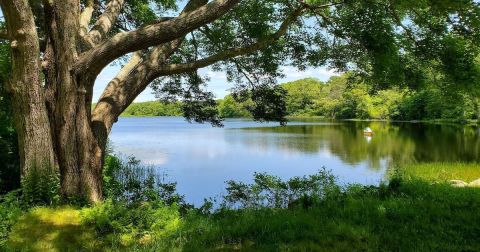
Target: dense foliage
(11, 208)
(347, 97)
(9, 160)
(403, 44)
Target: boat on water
(368, 132)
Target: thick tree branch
(187, 67)
(125, 87)
(131, 80)
(100, 56)
(104, 23)
(85, 18)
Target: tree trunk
(78, 153)
(30, 114)
(52, 116)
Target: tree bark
(77, 150)
(25, 84)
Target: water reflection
(201, 158)
(399, 143)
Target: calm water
(201, 158)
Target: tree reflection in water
(395, 143)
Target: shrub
(41, 187)
(270, 191)
(128, 224)
(11, 208)
(140, 207)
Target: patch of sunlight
(442, 172)
(173, 225)
(52, 229)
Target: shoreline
(297, 118)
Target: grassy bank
(303, 214)
(442, 172)
(406, 217)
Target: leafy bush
(129, 224)
(11, 208)
(41, 187)
(140, 205)
(271, 192)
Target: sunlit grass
(52, 229)
(442, 172)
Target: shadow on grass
(47, 229)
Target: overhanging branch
(104, 23)
(100, 56)
(228, 54)
(132, 79)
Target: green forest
(154, 108)
(345, 97)
(341, 99)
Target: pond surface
(201, 158)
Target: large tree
(59, 47)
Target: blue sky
(218, 82)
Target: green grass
(442, 172)
(52, 229)
(403, 216)
(414, 216)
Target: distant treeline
(342, 98)
(154, 108)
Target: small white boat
(368, 132)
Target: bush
(11, 208)
(271, 192)
(129, 224)
(41, 187)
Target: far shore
(298, 118)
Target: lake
(201, 158)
